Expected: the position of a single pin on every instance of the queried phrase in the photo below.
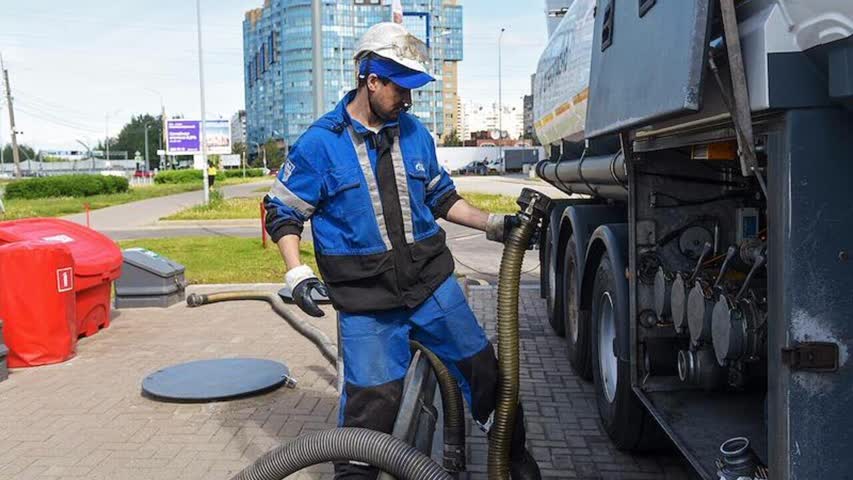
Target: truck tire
(576, 323)
(623, 417)
(553, 296)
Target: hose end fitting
(196, 300)
(534, 205)
(454, 458)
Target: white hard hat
(392, 41)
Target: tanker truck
(700, 269)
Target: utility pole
(317, 50)
(201, 93)
(15, 154)
(107, 138)
(2, 145)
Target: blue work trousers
(376, 355)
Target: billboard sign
(218, 133)
(183, 137)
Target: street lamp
(201, 95)
(500, 102)
(500, 85)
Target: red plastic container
(37, 303)
(97, 263)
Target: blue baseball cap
(403, 76)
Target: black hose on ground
(378, 449)
(306, 329)
(453, 409)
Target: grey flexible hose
(453, 409)
(306, 329)
(378, 449)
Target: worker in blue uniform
(367, 177)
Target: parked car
(494, 167)
(477, 167)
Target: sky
(78, 69)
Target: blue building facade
(278, 61)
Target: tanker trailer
(700, 272)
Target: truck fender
(582, 220)
(611, 239)
(548, 255)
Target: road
(146, 213)
(504, 185)
(475, 256)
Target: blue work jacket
(376, 239)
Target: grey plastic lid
(152, 262)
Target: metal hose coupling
(534, 207)
(453, 409)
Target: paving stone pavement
(563, 430)
(86, 419)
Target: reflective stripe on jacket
(372, 199)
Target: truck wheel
(553, 298)
(544, 258)
(576, 323)
(622, 415)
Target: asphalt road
(475, 256)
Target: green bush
(192, 175)
(238, 172)
(179, 176)
(65, 186)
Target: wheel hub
(606, 352)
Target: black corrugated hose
(453, 409)
(500, 435)
(379, 449)
(306, 329)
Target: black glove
(302, 296)
(303, 283)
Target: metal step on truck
(701, 268)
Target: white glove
(296, 275)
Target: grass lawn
(57, 207)
(224, 259)
(242, 208)
(233, 208)
(490, 202)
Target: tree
(239, 148)
(25, 151)
(272, 151)
(132, 137)
(452, 139)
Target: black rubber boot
(525, 468)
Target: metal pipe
(601, 176)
